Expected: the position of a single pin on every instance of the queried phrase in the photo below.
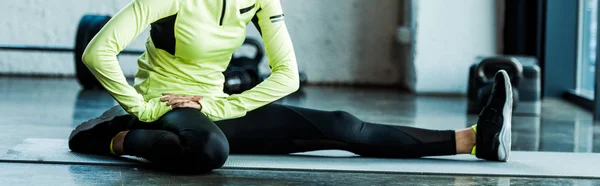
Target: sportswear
(191, 43)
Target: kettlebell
(247, 62)
(242, 72)
(485, 71)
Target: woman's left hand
(178, 101)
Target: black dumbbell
(484, 77)
(242, 73)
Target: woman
(177, 116)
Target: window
(587, 48)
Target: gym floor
(50, 108)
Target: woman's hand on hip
(151, 110)
(179, 101)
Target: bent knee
(211, 150)
(203, 152)
(168, 145)
(344, 118)
(192, 155)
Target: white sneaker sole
(505, 133)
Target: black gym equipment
(524, 73)
(242, 73)
(483, 78)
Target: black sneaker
(494, 123)
(94, 136)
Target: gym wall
(336, 41)
(450, 34)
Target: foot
(94, 136)
(494, 123)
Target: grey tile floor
(50, 108)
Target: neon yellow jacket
(191, 44)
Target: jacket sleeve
(101, 54)
(284, 78)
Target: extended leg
(279, 129)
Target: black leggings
(186, 140)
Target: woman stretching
(178, 117)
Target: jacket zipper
(223, 12)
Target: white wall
(49, 23)
(450, 34)
(347, 41)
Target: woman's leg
(183, 140)
(280, 129)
